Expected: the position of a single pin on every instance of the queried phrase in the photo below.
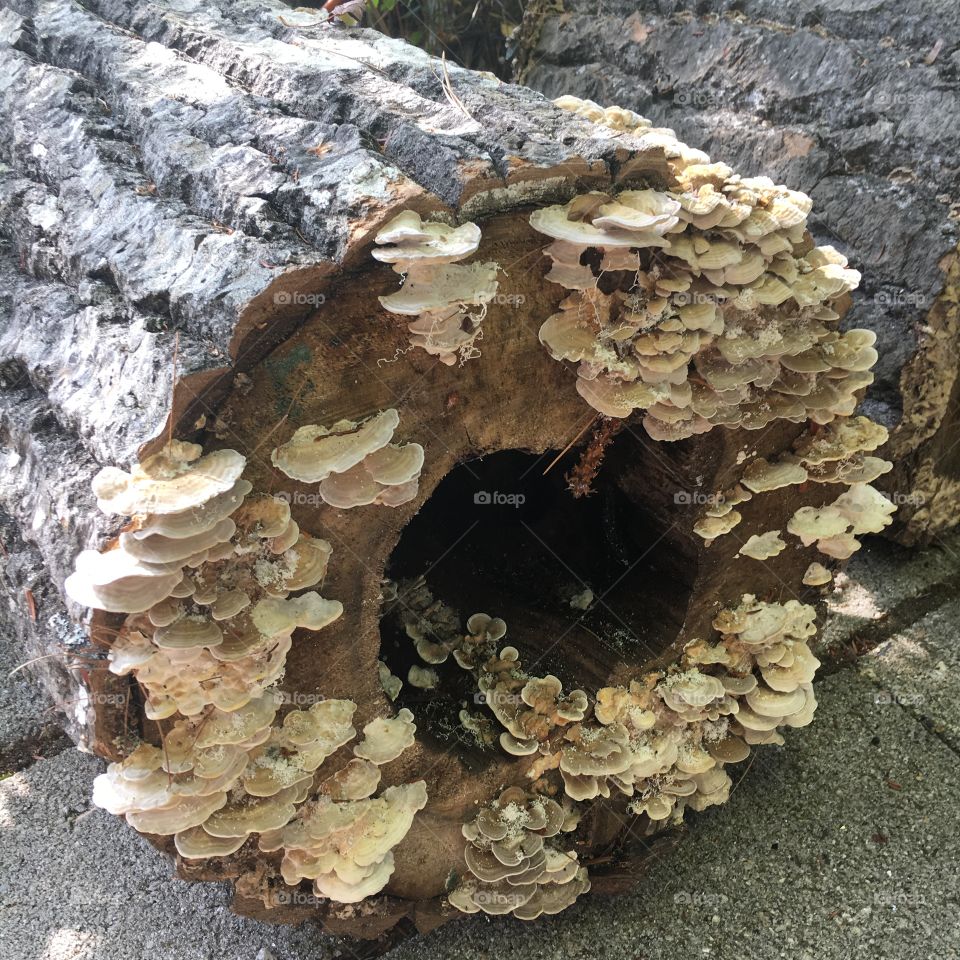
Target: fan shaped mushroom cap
(195, 520)
(314, 452)
(839, 440)
(228, 604)
(385, 739)
(617, 399)
(555, 222)
(196, 844)
(248, 814)
(761, 476)
(117, 582)
(275, 617)
(773, 703)
(763, 546)
(160, 549)
(814, 523)
(415, 240)
(188, 633)
(816, 575)
(395, 464)
(311, 556)
(729, 750)
(174, 480)
(433, 287)
(787, 676)
(642, 210)
(304, 741)
(239, 725)
(345, 848)
(840, 547)
(357, 780)
(866, 508)
(712, 527)
(182, 814)
(263, 516)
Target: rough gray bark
(854, 102)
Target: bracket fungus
(721, 309)
(354, 463)
(436, 289)
(317, 709)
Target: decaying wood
(858, 107)
(204, 180)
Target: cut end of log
(385, 668)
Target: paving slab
(843, 844)
(884, 586)
(918, 669)
(78, 884)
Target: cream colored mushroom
(385, 739)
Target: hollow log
(192, 199)
(855, 105)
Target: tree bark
(854, 104)
(189, 202)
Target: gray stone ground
(842, 844)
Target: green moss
(279, 367)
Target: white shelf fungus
(210, 645)
(436, 289)
(763, 546)
(515, 861)
(385, 739)
(354, 462)
(725, 320)
(835, 527)
(817, 575)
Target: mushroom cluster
(719, 308)
(214, 629)
(528, 708)
(343, 841)
(205, 573)
(516, 864)
(447, 298)
(665, 739)
(616, 118)
(354, 463)
(834, 528)
(662, 741)
(837, 453)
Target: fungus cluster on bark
(311, 530)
